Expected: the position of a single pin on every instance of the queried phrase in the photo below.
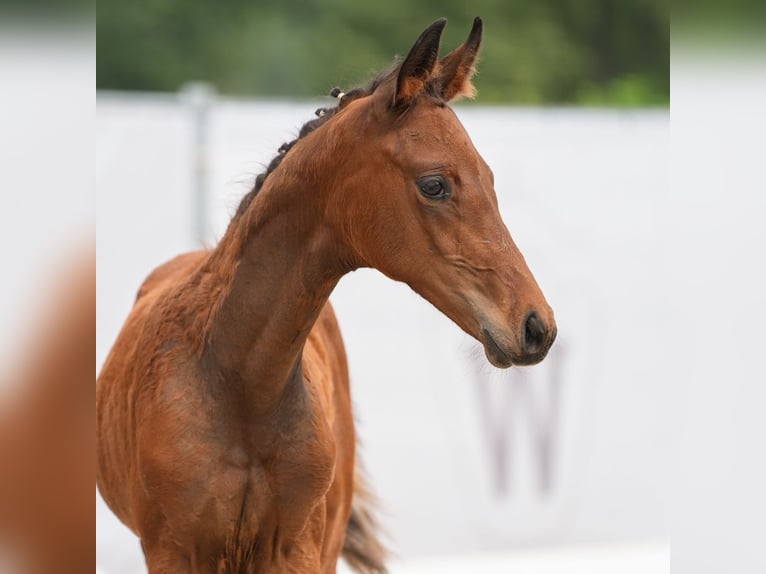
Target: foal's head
(409, 194)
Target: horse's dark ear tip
(439, 24)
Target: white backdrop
(463, 458)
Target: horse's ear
(457, 68)
(419, 64)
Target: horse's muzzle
(535, 341)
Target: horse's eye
(434, 187)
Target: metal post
(199, 97)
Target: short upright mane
(323, 114)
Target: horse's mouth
(494, 352)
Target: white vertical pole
(199, 97)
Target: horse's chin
(495, 354)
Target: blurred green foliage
(592, 52)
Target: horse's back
(355, 532)
(326, 374)
(171, 272)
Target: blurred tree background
(590, 52)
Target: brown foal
(225, 432)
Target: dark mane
(323, 114)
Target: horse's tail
(362, 548)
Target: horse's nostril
(533, 340)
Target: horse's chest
(258, 478)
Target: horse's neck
(284, 265)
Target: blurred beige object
(46, 433)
